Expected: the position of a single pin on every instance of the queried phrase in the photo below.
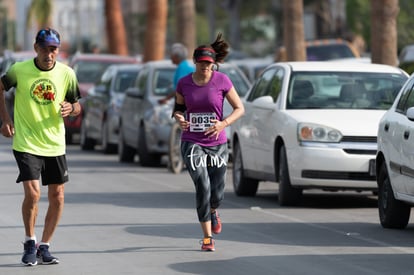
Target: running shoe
(44, 256)
(215, 222)
(208, 244)
(29, 254)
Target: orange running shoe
(208, 244)
(215, 223)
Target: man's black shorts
(54, 170)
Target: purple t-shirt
(204, 102)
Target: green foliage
(40, 11)
(358, 14)
(405, 23)
(359, 18)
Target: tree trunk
(384, 31)
(234, 18)
(211, 16)
(293, 30)
(185, 16)
(115, 28)
(156, 30)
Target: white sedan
(312, 125)
(395, 160)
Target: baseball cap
(204, 54)
(48, 37)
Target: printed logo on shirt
(43, 91)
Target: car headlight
(161, 115)
(318, 133)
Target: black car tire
(125, 152)
(288, 195)
(86, 143)
(392, 213)
(69, 138)
(242, 185)
(145, 158)
(175, 160)
(108, 148)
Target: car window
(258, 70)
(124, 80)
(260, 86)
(142, 80)
(343, 90)
(163, 81)
(238, 81)
(328, 52)
(89, 71)
(403, 103)
(276, 85)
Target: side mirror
(100, 90)
(133, 92)
(410, 113)
(265, 102)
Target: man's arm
(70, 109)
(7, 127)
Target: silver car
(312, 125)
(101, 108)
(145, 124)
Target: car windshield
(328, 52)
(163, 81)
(124, 80)
(343, 90)
(238, 81)
(90, 71)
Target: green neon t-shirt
(39, 126)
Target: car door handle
(386, 127)
(406, 134)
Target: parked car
(395, 160)
(101, 108)
(144, 125)
(241, 84)
(312, 125)
(406, 59)
(329, 49)
(89, 69)
(252, 67)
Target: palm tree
(185, 18)
(384, 31)
(115, 28)
(293, 30)
(40, 11)
(156, 30)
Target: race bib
(200, 122)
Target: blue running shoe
(29, 254)
(44, 256)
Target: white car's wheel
(288, 195)
(176, 163)
(86, 143)
(242, 185)
(392, 213)
(108, 148)
(146, 158)
(125, 152)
